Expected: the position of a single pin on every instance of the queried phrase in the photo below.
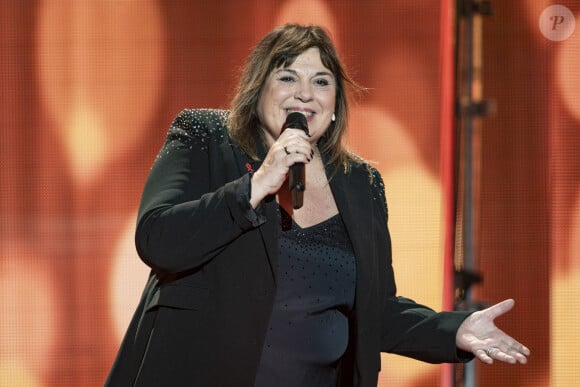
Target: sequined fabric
(187, 129)
(308, 330)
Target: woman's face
(305, 86)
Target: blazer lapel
(354, 201)
(268, 231)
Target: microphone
(296, 181)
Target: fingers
(519, 355)
(494, 353)
(508, 353)
(519, 351)
(483, 356)
(302, 151)
(291, 147)
(490, 354)
(294, 142)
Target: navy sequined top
(308, 330)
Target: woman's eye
(287, 79)
(322, 82)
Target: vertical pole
(471, 107)
(447, 155)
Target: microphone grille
(296, 120)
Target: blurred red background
(89, 89)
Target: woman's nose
(303, 92)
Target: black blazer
(204, 312)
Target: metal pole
(471, 107)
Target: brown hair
(279, 48)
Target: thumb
(500, 308)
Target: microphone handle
(296, 184)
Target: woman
(245, 290)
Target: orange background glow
(89, 88)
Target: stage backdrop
(89, 88)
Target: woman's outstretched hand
(479, 335)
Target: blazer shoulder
(362, 167)
(200, 126)
(368, 171)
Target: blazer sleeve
(409, 328)
(189, 213)
(414, 330)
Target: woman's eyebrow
(296, 73)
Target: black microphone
(296, 181)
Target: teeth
(307, 114)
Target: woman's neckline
(286, 218)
